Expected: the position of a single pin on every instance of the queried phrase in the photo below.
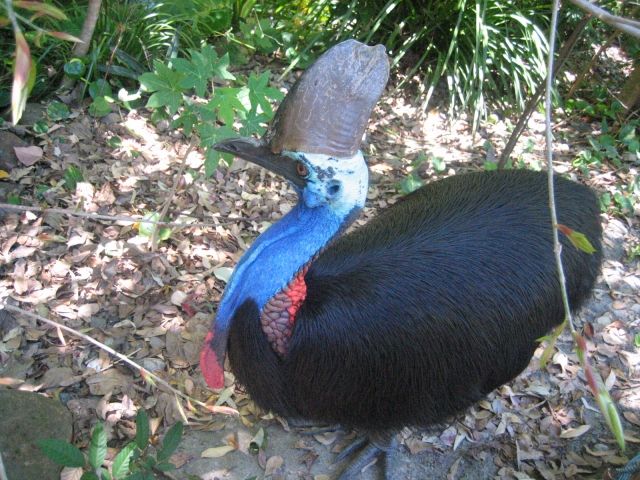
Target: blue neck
(277, 255)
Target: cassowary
(416, 315)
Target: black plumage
(428, 307)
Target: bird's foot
(369, 449)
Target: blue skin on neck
(277, 255)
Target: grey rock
(26, 417)
(32, 113)
(295, 449)
(614, 235)
(8, 159)
(111, 118)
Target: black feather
(431, 305)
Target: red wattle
(212, 371)
(297, 292)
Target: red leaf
(21, 73)
(65, 36)
(579, 240)
(28, 155)
(188, 309)
(41, 8)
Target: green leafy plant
(189, 91)
(412, 181)
(146, 229)
(24, 66)
(57, 111)
(136, 460)
(72, 175)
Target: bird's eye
(302, 170)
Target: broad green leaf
(120, 467)
(61, 452)
(253, 123)
(99, 107)
(490, 166)
(439, 165)
(40, 127)
(623, 202)
(410, 184)
(219, 66)
(72, 175)
(170, 442)
(225, 101)
(212, 134)
(211, 161)
(89, 476)
(142, 429)
(57, 111)
(187, 120)
(166, 83)
(146, 229)
(152, 82)
(114, 142)
(14, 199)
(197, 72)
(100, 88)
(260, 93)
(98, 447)
(165, 98)
(74, 68)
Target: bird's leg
(372, 447)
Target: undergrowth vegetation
(476, 58)
(482, 53)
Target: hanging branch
(147, 375)
(596, 385)
(626, 25)
(563, 55)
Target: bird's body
(414, 316)
(425, 309)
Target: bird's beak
(258, 152)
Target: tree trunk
(630, 93)
(81, 49)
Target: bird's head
(313, 142)
(314, 139)
(339, 182)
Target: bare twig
(121, 218)
(594, 381)
(626, 25)
(576, 84)
(81, 49)
(557, 248)
(563, 55)
(146, 374)
(615, 34)
(176, 181)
